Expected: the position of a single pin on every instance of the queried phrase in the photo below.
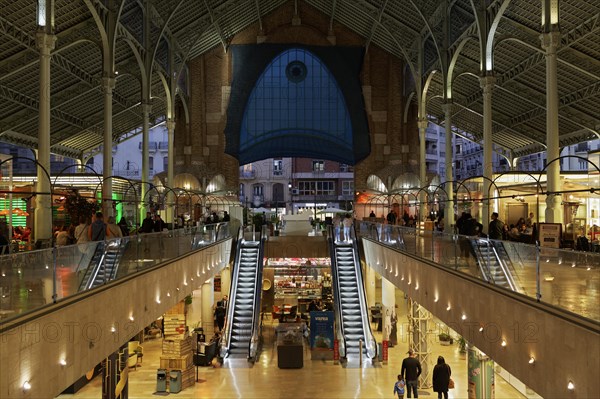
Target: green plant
(444, 337)
(77, 206)
(187, 300)
(462, 344)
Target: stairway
(351, 313)
(488, 261)
(243, 302)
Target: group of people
(393, 218)
(346, 223)
(92, 228)
(408, 379)
(523, 230)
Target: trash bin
(161, 380)
(380, 352)
(175, 381)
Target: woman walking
(441, 378)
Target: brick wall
(210, 77)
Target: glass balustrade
(563, 278)
(32, 279)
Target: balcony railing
(152, 146)
(53, 274)
(247, 174)
(128, 172)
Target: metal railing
(370, 343)
(50, 275)
(255, 339)
(545, 274)
(337, 303)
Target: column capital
(45, 42)
(170, 126)
(550, 41)
(487, 83)
(422, 123)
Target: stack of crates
(177, 354)
(174, 322)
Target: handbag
(450, 383)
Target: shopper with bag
(441, 378)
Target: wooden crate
(176, 362)
(188, 378)
(177, 347)
(174, 325)
(177, 309)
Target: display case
(290, 348)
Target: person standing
(372, 214)
(336, 227)
(347, 225)
(124, 227)
(441, 378)
(220, 313)
(97, 230)
(529, 221)
(411, 370)
(112, 230)
(147, 224)
(81, 235)
(496, 227)
(62, 238)
(226, 217)
(391, 217)
(159, 224)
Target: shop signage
(321, 335)
(549, 234)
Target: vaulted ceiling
(443, 29)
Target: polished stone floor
(317, 379)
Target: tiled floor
(318, 379)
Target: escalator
(494, 263)
(349, 302)
(242, 330)
(104, 264)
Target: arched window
(296, 108)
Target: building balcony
(163, 145)
(248, 174)
(152, 146)
(127, 172)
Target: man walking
(411, 370)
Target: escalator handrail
(504, 267)
(253, 345)
(487, 275)
(337, 297)
(102, 248)
(123, 243)
(226, 336)
(371, 345)
(83, 282)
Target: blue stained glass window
(296, 103)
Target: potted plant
(445, 339)
(462, 345)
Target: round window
(296, 71)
